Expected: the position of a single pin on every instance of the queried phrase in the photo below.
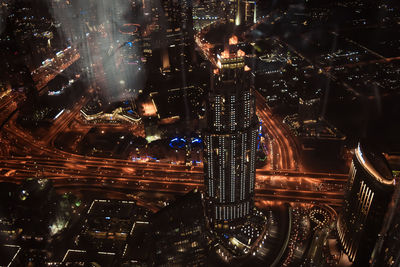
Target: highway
(179, 187)
(283, 145)
(68, 170)
(53, 67)
(161, 177)
(62, 122)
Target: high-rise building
(245, 11)
(250, 11)
(370, 189)
(230, 141)
(169, 33)
(387, 249)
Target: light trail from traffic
(285, 148)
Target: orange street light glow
(233, 40)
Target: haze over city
(199, 133)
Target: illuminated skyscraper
(250, 11)
(370, 189)
(230, 142)
(245, 12)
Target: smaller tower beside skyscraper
(245, 12)
(370, 188)
(168, 34)
(387, 248)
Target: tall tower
(230, 141)
(238, 13)
(245, 12)
(370, 190)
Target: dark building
(387, 249)
(309, 110)
(32, 32)
(111, 233)
(9, 255)
(78, 257)
(180, 233)
(168, 36)
(184, 102)
(108, 224)
(230, 140)
(31, 215)
(370, 189)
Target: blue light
(196, 140)
(107, 218)
(177, 142)
(130, 44)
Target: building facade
(370, 188)
(168, 34)
(230, 141)
(387, 249)
(245, 12)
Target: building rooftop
(8, 254)
(80, 256)
(375, 164)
